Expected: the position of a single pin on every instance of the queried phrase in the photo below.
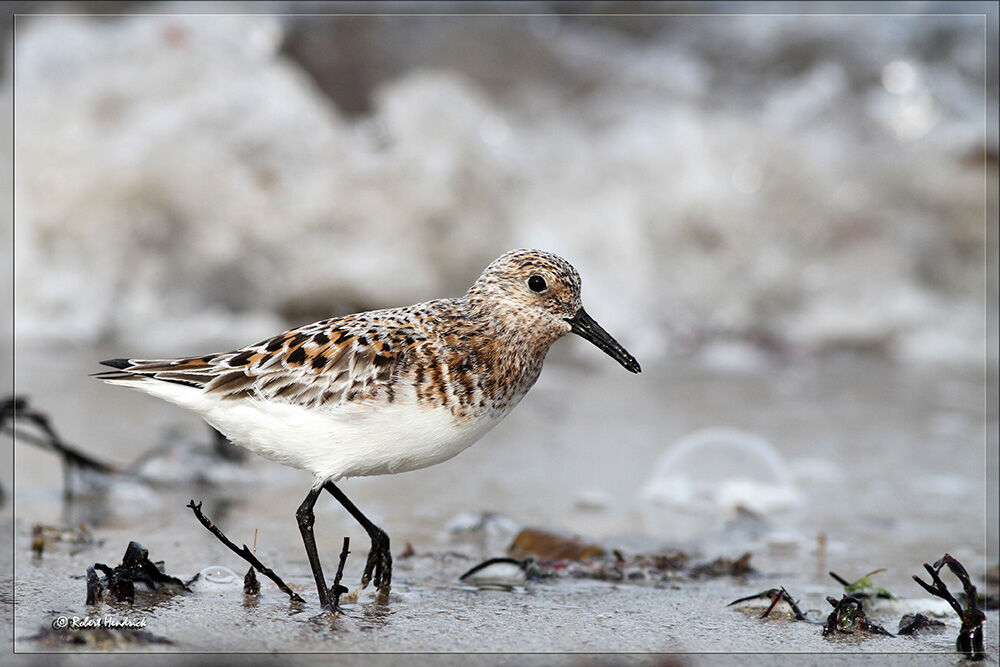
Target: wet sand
(888, 464)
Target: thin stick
(776, 595)
(795, 607)
(243, 553)
(840, 580)
(336, 590)
(775, 599)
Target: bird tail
(192, 372)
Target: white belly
(349, 440)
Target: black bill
(584, 325)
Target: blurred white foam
(179, 175)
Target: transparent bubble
(706, 477)
(219, 574)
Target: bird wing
(325, 363)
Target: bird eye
(537, 284)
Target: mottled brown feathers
(477, 353)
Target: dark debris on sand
(912, 624)
(724, 567)
(776, 595)
(118, 583)
(99, 638)
(251, 587)
(542, 554)
(970, 636)
(80, 538)
(848, 616)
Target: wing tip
(117, 363)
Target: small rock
(910, 624)
(549, 546)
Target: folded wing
(326, 363)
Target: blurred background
(789, 219)
(788, 183)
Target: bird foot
(378, 568)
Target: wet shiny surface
(887, 463)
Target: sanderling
(384, 391)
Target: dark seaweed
(848, 616)
(119, 582)
(970, 636)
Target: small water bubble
(219, 574)
(702, 478)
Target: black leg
(379, 558)
(306, 519)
